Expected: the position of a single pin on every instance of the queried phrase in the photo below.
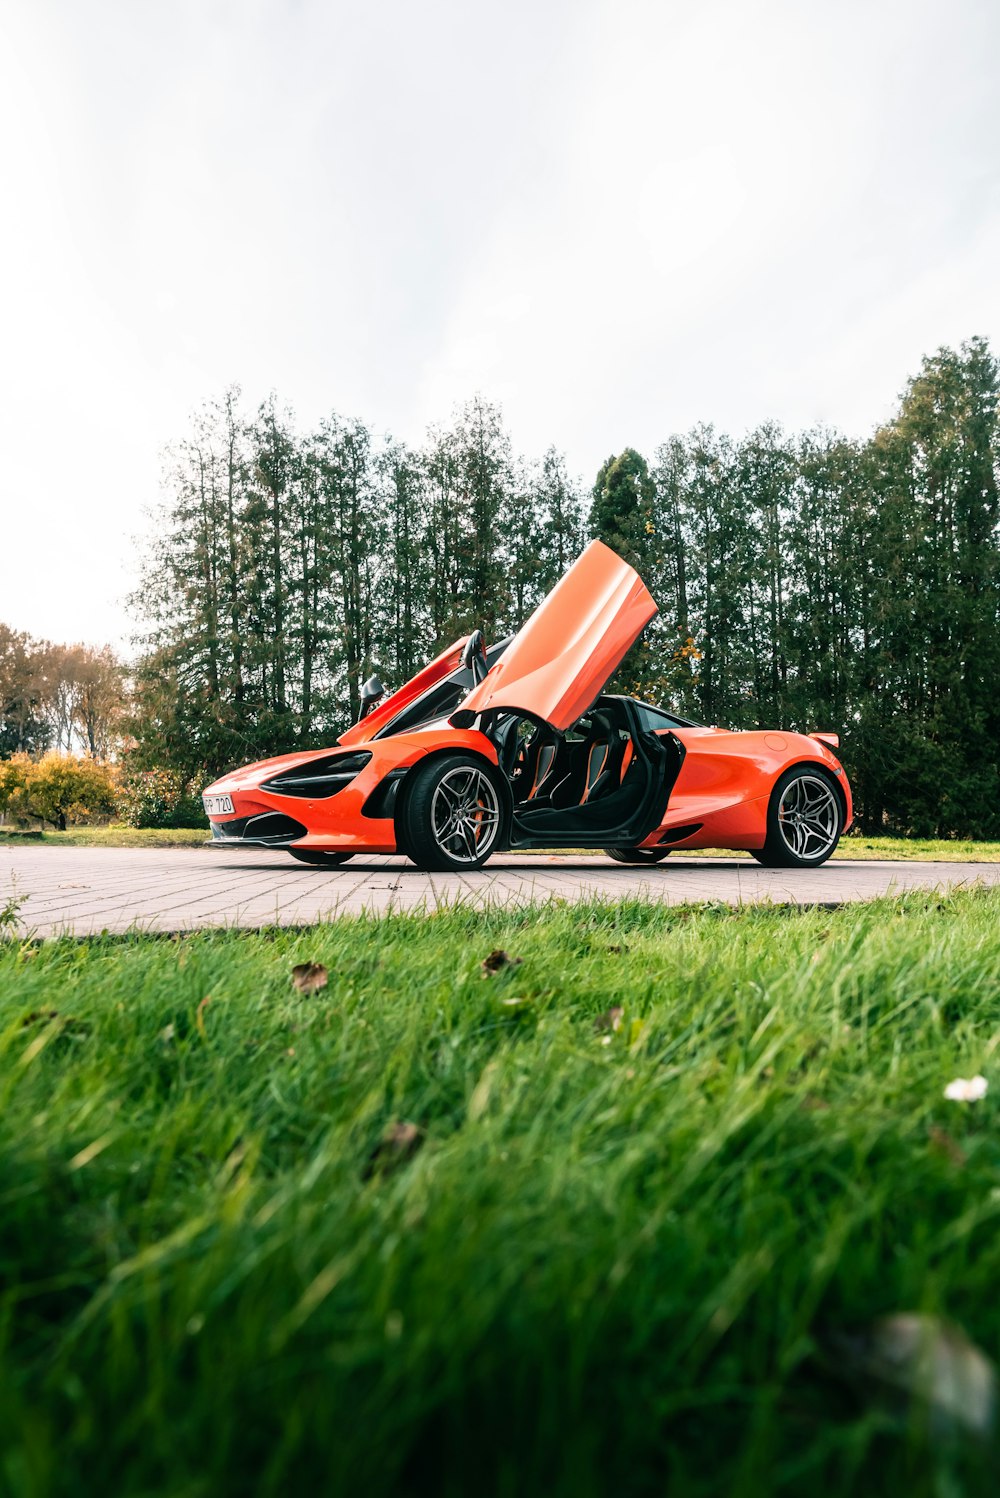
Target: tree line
(59, 697)
(819, 582)
(804, 580)
(287, 567)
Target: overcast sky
(615, 217)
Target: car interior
(587, 780)
(571, 769)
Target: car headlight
(320, 778)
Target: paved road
(85, 890)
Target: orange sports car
(514, 746)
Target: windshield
(440, 700)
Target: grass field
(112, 837)
(617, 1253)
(948, 850)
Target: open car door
(561, 659)
(449, 660)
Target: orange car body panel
(339, 821)
(560, 660)
(725, 784)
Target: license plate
(217, 806)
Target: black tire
(453, 815)
(320, 859)
(795, 841)
(638, 855)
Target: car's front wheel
(453, 814)
(638, 855)
(319, 858)
(804, 821)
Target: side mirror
(474, 655)
(370, 694)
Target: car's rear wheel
(319, 858)
(804, 821)
(453, 814)
(638, 855)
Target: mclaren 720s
(515, 746)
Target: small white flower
(966, 1089)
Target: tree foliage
(815, 582)
(622, 510)
(65, 696)
(288, 568)
(56, 788)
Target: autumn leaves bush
(55, 789)
(60, 789)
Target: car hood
(561, 659)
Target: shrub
(13, 775)
(56, 788)
(158, 798)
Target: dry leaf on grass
(309, 977)
(398, 1144)
(931, 1364)
(604, 1024)
(497, 960)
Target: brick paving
(80, 891)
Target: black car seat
(537, 766)
(596, 764)
(604, 764)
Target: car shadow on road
(507, 864)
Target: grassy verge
(947, 850)
(110, 837)
(944, 850)
(892, 849)
(615, 1255)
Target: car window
(437, 702)
(654, 718)
(440, 700)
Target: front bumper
(262, 819)
(267, 829)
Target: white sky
(616, 217)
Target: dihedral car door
(560, 661)
(449, 660)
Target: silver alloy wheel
(465, 814)
(809, 817)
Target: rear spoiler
(833, 739)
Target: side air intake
(678, 834)
(319, 778)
